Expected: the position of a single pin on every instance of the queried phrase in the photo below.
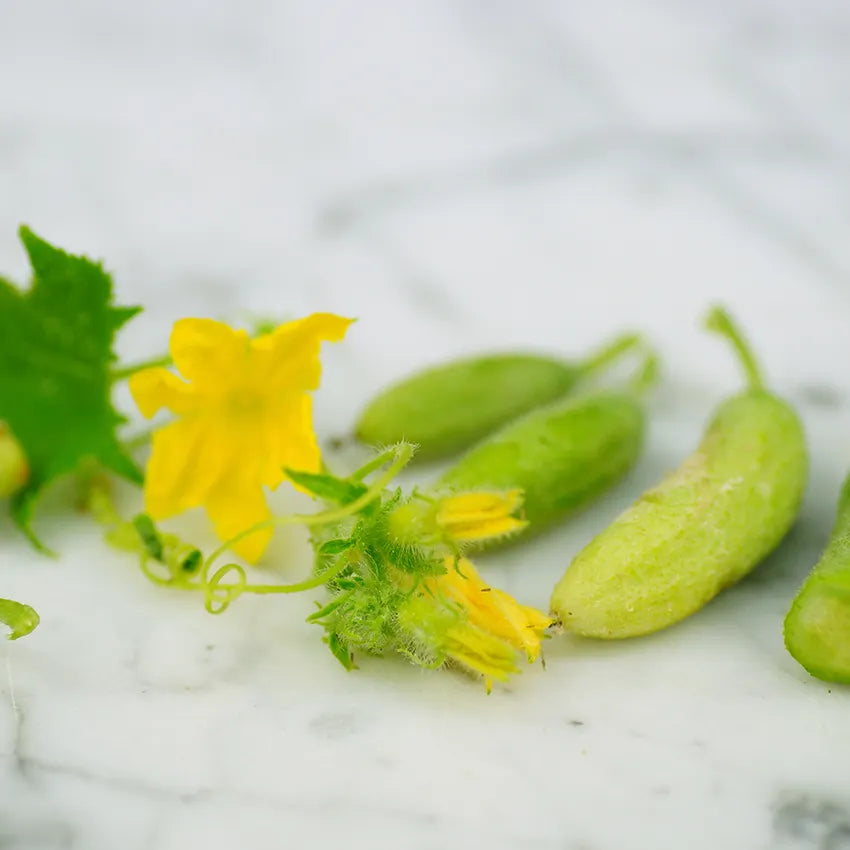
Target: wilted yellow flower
(492, 625)
(477, 516)
(244, 414)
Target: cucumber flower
(478, 516)
(243, 414)
(474, 517)
(479, 627)
(398, 582)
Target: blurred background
(454, 172)
(458, 174)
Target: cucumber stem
(720, 321)
(609, 353)
(121, 373)
(615, 349)
(647, 375)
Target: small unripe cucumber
(817, 628)
(449, 407)
(702, 528)
(562, 456)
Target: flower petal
(208, 351)
(490, 609)
(480, 504)
(288, 357)
(485, 529)
(290, 438)
(235, 506)
(480, 515)
(481, 652)
(153, 389)
(187, 458)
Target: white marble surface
(460, 175)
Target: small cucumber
(563, 455)
(817, 628)
(447, 408)
(700, 530)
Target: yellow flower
(244, 413)
(470, 517)
(493, 625)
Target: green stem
(123, 372)
(609, 353)
(720, 321)
(218, 593)
(647, 373)
(377, 462)
(402, 453)
(138, 440)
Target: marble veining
(458, 175)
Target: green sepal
(326, 486)
(335, 546)
(324, 610)
(340, 650)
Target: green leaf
(339, 649)
(324, 611)
(55, 355)
(335, 546)
(327, 486)
(20, 618)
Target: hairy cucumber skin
(562, 456)
(700, 530)
(449, 407)
(817, 627)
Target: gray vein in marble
(820, 395)
(423, 293)
(222, 795)
(13, 761)
(373, 201)
(776, 227)
(42, 767)
(699, 155)
(46, 834)
(529, 28)
(802, 821)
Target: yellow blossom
(244, 413)
(493, 625)
(477, 516)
